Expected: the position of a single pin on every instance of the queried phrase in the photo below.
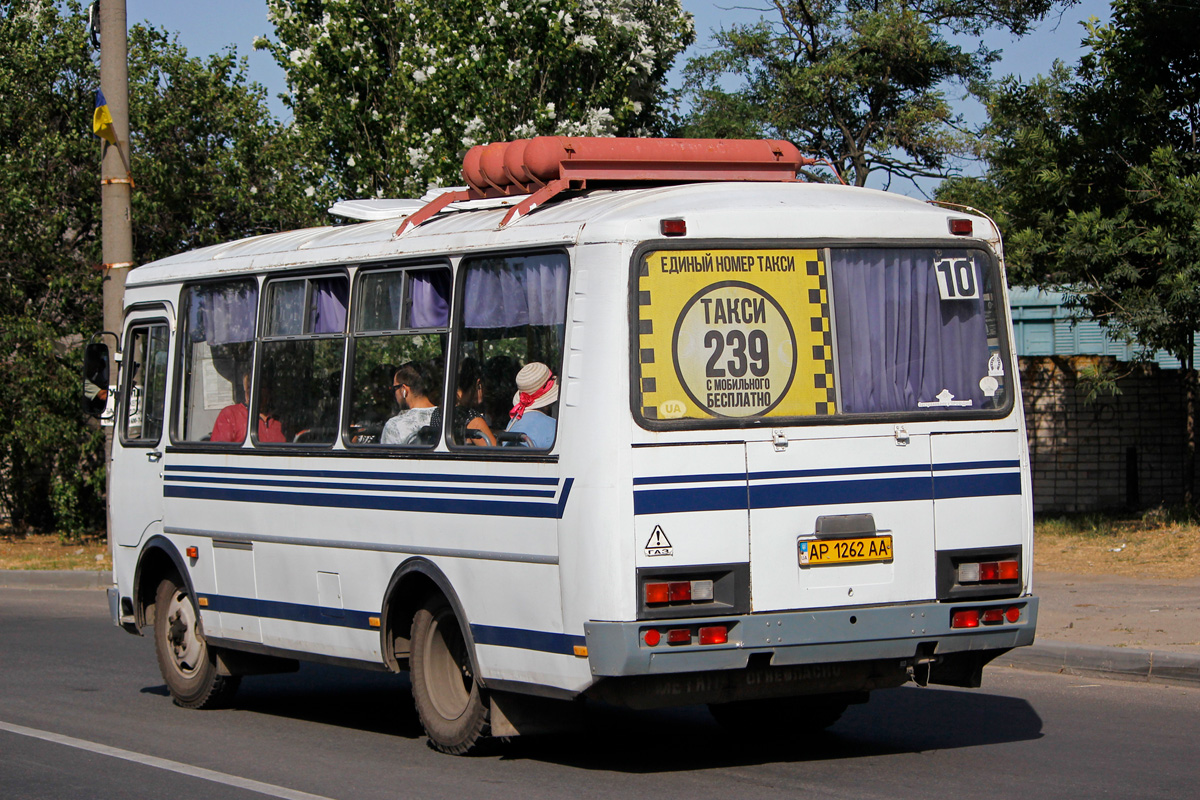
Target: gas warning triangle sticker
(658, 543)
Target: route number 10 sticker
(956, 279)
(734, 350)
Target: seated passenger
(411, 387)
(468, 397)
(536, 389)
(231, 422)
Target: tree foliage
(861, 84)
(387, 95)
(202, 140)
(1095, 172)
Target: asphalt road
(84, 714)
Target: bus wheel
(187, 663)
(783, 719)
(452, 707)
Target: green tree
(860, 84)
(209, 160)
(1095, 175)
(202, 142)
(388, 95)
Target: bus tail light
(993, 615)
(715, 634)
(658, 593)
(989, 571)
(701, 590)
(965, 618)
(961, 227)
(1013, 613)
(679, 592)
(679, 636)
(672, 227)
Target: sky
(210, 26)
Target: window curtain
(330, 296)
(898, 342)
(513, 292)
(224, 313)
(430, 291)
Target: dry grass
(1152, 547)
(45, 551)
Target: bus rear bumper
(853, 634)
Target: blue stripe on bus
(783, 495)
(824, 473)
(499, 508)
(354, 474)
(947, 487)
(362, 486)
(543, 641)
(964, 465)
(928, 486)
(292, 612)
(559, 643)
(731, 476)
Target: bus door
(136, 489)
(840, 521)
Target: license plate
(818, 553)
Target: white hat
(533, 376)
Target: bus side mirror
(95, 381)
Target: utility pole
(115, 186)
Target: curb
(1150, 666)
(54, 579)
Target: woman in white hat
(536, 389)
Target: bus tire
(187, 663)
(784, 719)
(450, 703)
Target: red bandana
(526, 399)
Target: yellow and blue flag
(102, 121)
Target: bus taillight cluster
(974, 617)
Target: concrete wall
(1123, 452)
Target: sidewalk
(1139, 629)
(1147, 630)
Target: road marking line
(162, 763)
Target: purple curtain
(223, 313)
(898, 342)
(430, 293)
(507, 293)
(329, 299)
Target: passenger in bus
(498, 374)
(469, 424)
(536, 390)
(231, 422)
(412, 387)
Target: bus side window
(217, 352)
(402, 316)
(145, 393)
(513, 320)
(299, 385)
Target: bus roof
(719, 210)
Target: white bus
(648, 423)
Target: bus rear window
(739, 335)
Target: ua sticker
(658, 544)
